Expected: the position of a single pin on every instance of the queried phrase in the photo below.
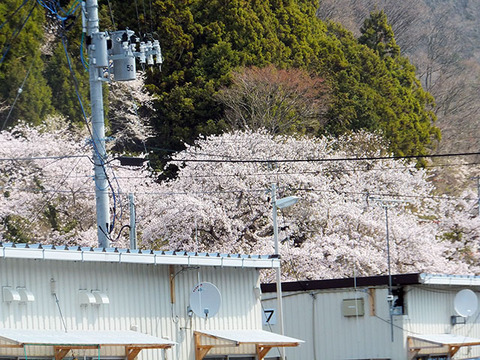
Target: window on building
(398, 307)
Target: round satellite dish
(465, 303)
(205, 300)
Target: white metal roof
(76, 253)
(251, 337)
(446, 339)
(461, 280)
(96, 338)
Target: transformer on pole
(106, 51)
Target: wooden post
(371, 295)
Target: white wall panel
(329, 335)
(316, 317)
(139, 296)
(429, 312)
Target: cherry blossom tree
(129, 107)
(221, 202)
(46, 179)
(338, 227)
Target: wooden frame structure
(131, 352)
(449, 342)
(263, 344)
(129, 340)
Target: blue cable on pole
(82, 59)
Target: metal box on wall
(353, 307)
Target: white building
(352, 319)
(86, 303)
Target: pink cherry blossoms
(221, 202)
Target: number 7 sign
(269, 317)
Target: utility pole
(117, 51)
(97, 61)
(133, 227)
(478, 194)
(386, 204)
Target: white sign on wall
(269, 316)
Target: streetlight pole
(279, 204)
(278, 270)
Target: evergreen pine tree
(23, 87)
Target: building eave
(116, 255)
(382, 280)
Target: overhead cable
(368, 158)
(10, 17)
(15, 35)
(19, 91)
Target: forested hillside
(206, 44)
(250, 93)
(441, 39)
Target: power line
(62, 181)
(15, 35)
(10, 17)
(45, 158)
(19, 91)
(111, 15)
(233, 191)
(370, 158)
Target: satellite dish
(465, 303)
(205, 300)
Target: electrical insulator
(158, 51)
(141, 56)
(150, 54)
(84, 19)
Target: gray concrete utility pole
(106, 51)
(96, 64)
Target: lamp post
(279, 204)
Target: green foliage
(381, 93)
(60, 78)
(65, 81)
(378, 35)
(57, 222)
(21, 55)
(16, 229)
(204, 42)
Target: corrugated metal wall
(429, 312)
(139, 297)
(316, 317)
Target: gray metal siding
(139, 296)
(429, 312)
(329, 335)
